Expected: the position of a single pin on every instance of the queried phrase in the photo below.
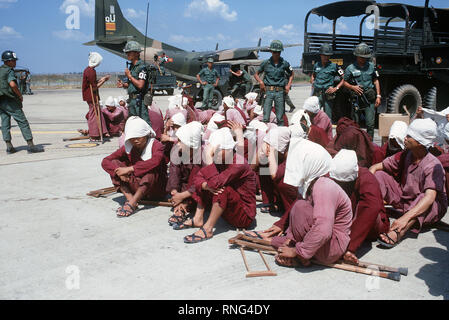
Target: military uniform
(245, 81)
(364, 77)
(138, 71)
(275, 82)
(324, 79)
(11, 106)
(210, 76)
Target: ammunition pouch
(322, 93)
(370, 95)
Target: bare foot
(349, 257)
(395, 236)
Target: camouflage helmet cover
(9, 56)
(326, 49)
(276, 46)
(211, 60)
(132, 46)
(363, 51)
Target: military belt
(134, 95)
(275, 88)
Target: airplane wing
(267, 48)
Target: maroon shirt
(288, 194)
(89, 79)
(353, 138)
(181, 177)
(141, 168)
(319, 136)
(240, 177)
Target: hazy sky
(36, 30)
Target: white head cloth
(312, 104)
(306, 161)
(121, 98)
(296, 131)
(95, 59)
(258, 110)
(179, 119)
(138, 128)
(298, 115)
(212, 126)
(229, 101)
(424, 131)
(175, 102)
(222, 139)
(446, 132)
(110, 102)
(278, 138)
(190, 134)
(345, 166)
(398, 132)
(251, 96)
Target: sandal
(183, 225)
(389, 245)
(174, 219)
(258, 236)
(126, 211)
(197, 239)
(269, 209)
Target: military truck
(225, 84)
(166, 82)
(410, 48)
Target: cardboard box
(386, 120)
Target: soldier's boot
(10, 148)
(33, 148)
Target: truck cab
(409, 45)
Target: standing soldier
(209, 78)
(275, 83)
(138, 82)
(243, 79)
(324, 73)
(362, 79)
(11, 105)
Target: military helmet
(276, 46)
(211, 60)
(132, 46)
(9, 56)
(326, 49)
(363, 51)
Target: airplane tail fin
(111, 27)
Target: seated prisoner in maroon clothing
(114, 116)
(138, 169)
(185, 163)
(320, 225)
(318, 117)
(395, 142)
(413, 182)
(370, 218)
(228, 188)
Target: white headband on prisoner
(278, 138)
(95, 59)
(229, 102)
(110, 102)
(222, 139)
(190, 134)
(345, 166)
(251, 96)
(297, 117)
(424, 131)
(258, 110)
(179, 119)
(312, 104)
(137, 128)
(306, 161)
(398, 132)
(212, 126)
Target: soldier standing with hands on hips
(209, 78)
(362, 79)
(11, 105)
(138, 82)
(324, 73)
(275, 84)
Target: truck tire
(170, 92)
(217, 99)
(430, 100)
(407, 95)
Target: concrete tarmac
(58, 243)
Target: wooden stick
(76, 139)
(255, 274)
(356, 269)
(156, 203)
(253, 245)
(94, 101)
(99, 117)
(264, 261)
(403, 271)
(102, 192)
(244, 259)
